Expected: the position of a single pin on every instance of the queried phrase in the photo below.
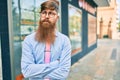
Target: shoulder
(30, 37)
(63, 40)
(62, 37)
(59, 34)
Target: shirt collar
(56, 33)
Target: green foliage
(118, 26)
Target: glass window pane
(26, 14)
(27, 4)
(91, 29)
(75, 28)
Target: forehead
(50, 4)
(48, 10)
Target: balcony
(102, 3)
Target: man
(35, 63)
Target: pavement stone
(102, 63)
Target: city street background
(103, 63)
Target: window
(91, 30)
(75, 28)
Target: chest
(39, 52)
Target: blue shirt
(32, 61)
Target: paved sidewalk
(103, 63)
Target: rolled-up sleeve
(28, 66)
(65, 62)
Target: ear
(58, 17)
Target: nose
(47, 15)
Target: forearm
(61, 72)
(58, 74)
(38, 70)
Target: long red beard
(45, 32)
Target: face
(48, 17)
(47, 24)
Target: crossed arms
(58, 69)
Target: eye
(51, 13)
(44, 12)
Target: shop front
(76, 21)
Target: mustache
(46, 20)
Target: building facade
(107, 21)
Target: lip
(46, 22)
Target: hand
(20, 77)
